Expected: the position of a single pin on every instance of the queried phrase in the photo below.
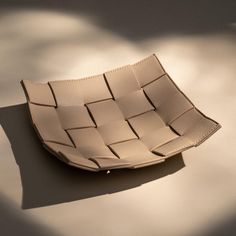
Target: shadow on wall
(224, 227)
(137, 20)
(14, 222)
(46, 180)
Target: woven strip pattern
(130, 117)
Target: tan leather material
(56, 147)
(86, 137)
(96, 151)
(136, 153)
(38, 93)
(158, 137)
(67, 93)
(168, 100)
(94, 89)
(179, 144)
(141, 160)
(53, 133)
(44, 115)
(107, 163)
(81, 162)
(78, 92)
(116, 131)
(134, 104)
(129, 148)
(47, 124)
(194, 125)
(72, 117)
(105, 112)
(130, 117)
(148, 70)
(122, 81)
(59, 148)
(146, 123)
(84, 151)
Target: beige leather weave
(130, 117)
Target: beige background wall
(193, 194)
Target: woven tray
(130, 117)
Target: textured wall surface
(189, 195)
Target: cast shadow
(15, 222)
(138, 20)
(46, 180)
(224, 227)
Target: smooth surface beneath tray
(198, 199)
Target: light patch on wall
(46, 45)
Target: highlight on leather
(130, 117)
